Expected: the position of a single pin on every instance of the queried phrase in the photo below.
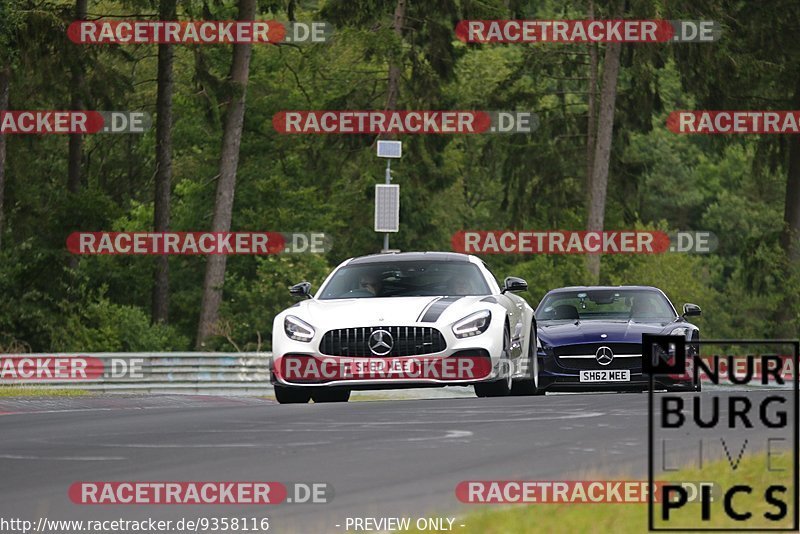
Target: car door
(519, 316)
(515, 306)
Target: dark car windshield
(617, 304)
(405, 279)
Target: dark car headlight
(543, 348)
(680, 331)
(472, 325)
(298, 329)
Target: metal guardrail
(210, 373)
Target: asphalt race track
(383, 458)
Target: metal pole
(388, 181)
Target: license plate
(606, 375)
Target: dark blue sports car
(591, 337)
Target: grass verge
(33, 391)
(632, 518)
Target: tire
(501, 387)
(286, 395)
(695, 346)
(331, 395)
(530, 385)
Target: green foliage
(108, 327)
(732, 186)
(683, 277)
(252, 302)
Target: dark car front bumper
(555, 376)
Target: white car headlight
(681, 331)
(298, 329)
(473, 324)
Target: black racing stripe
(425, 308)
(438, 307)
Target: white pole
(388, 181)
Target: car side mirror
(303, 289)
(690, 310)
(512, 283)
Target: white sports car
(415, 319)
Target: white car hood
(390, 311)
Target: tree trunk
(5, 80)
(393, 88)
(602, 153)
(75, 157)
(161, 203)
(226, 184)
(591, 126)
(77, 87)
(790, 238)
(787, 316)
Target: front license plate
(606, 375)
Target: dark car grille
(587, 349)
(407, 341)
(591, 348)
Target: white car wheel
(502, 386)
(530, 384)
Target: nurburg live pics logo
(753, 415)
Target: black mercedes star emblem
(380, 342)
(604, 355)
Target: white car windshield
(405, 279)
(604, 304)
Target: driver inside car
(371, 283)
